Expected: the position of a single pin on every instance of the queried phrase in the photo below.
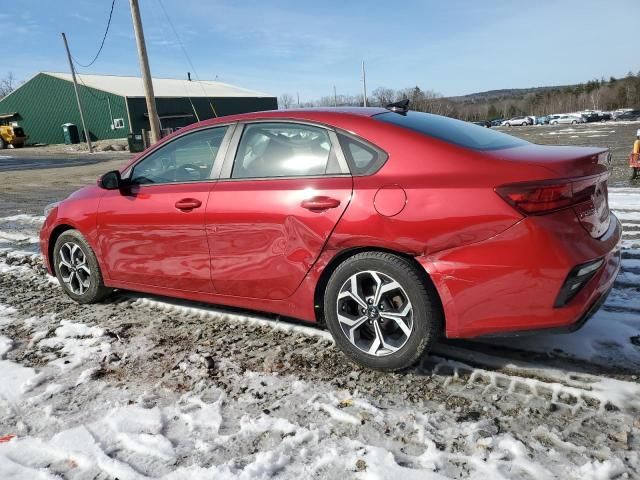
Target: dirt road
(28, 190)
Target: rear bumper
(508, 284)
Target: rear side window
(269, 150)
(363, 158)
(453, 131)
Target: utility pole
(154, 121)
(298, 95)
(335, 97)
(364, 85)
(75, 87)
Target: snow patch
(18, 237)
(74, 344)
(77, 330)
(24, 219)
(205, 312)
(14, 383)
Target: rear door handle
(188, 204)
(318, 204)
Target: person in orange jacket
(636, 154)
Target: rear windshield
(453, 131)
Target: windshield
(460, 133)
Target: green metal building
(115, 106)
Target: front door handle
(318, 204)
(188, 204)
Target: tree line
(595, 94)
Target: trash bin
(136, 143)
(71, 134)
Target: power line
(97, 97)
(104, 38)
(186, 54)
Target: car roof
(322, 115)
(337, 117)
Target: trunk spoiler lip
(558, 159)
(555, 181)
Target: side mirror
(111, 180)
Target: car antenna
(401, 107)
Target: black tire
(634, 175)
(426, 316)
(19, 145)
(507, 124)
(95, 291)
(3, 144)
(574, 122)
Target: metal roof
(162, 87)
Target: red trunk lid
(577, 179)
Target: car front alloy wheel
(77, 269)
(74, 271)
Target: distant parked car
(616, 113)
(604, 116)
(629, 116)
(566, 119)
(496, 122)
(517, 121)
(483, 123)
(590, 117)
(542, 120)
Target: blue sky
(453, 47)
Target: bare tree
(285, 101)
(7, 85)
(383, 96)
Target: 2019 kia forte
(389, 227)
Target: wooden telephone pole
(154, 121)
(364, 86)
(75, 87)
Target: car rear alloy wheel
(77, 269)
(375, 313)
(381, 310)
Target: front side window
(270, 150)
(187, 159)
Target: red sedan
(389, 227)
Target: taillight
(536, 198)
